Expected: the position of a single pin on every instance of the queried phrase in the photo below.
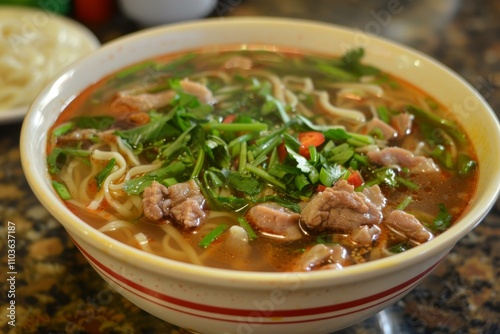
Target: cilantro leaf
(104, 173)
(148, 132)
(58, 156)
(217, 150)
(352, 62)
(137, 185)
(94, 122)
(442, 220)
(244, 183)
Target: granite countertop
(57, 291)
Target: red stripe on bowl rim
(273, 315)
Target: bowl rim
(245, 279)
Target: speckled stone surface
(58, 292)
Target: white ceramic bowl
(156, 12)
(209, 300)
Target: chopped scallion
(212, 235)
(134, 69)
(243, 157)
(63, 129)
(407, 183)
(404, 203)
(169, 182)
(442, 220)
(244, 223)
(104, 173)
(265, 176)
(383, 114)
(199, 164)
(301, 181)
(465, 164)
(267, 147)
(61, 190)
(236, 127)
(243, 138)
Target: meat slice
(202, 93)
(408, 226)
(365, 235)
(179, 192)
(140, 101)
(387, 131)
(153, 199)
(402, 123)
(374, 194)
(181, 202)
(275, 221)
(396, 156)
(189, 213)
(321, 256)
(240, 62)
(125, 103)
(341, 208)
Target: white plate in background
(26, 26)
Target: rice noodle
(183, 244)
(291, 99)
(132, 172)
(68, 178)
(224, 77)
(82, 193)
(303, 84)
(134, 160)
(350, 114)
(369, 88)
(114, 225)
(118, 171)
(143, 241)
(278, 88)
(173, 253)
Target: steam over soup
(263, 161)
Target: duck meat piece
(240, 62)
(189, 213)
(340, 208)
(141, 101)
(365, 235)
(387, 131)
(321, 256)
(201, 92)
(408, 226)
(374, 194)
(402, 123)
(181, 202)
(179, 192)
(275, 221)
(153, 199)
(125, 103)
(396, 156)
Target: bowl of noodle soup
(215, 292)
(35, 46)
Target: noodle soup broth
(262, 160)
